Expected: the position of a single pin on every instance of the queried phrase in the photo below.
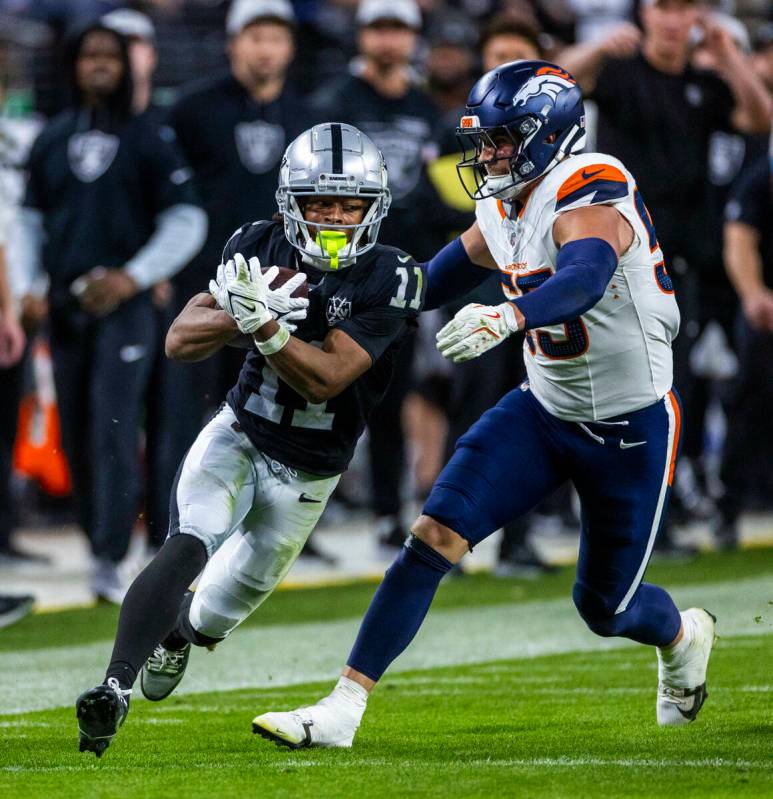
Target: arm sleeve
(179, 235)
(25, 254)
(583, 270)
(450, 275)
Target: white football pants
(252, 513)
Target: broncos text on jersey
(616, 357)
(375, 301)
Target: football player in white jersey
(583, 274)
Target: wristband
(274, 344)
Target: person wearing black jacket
(749, 263)
(109, 211)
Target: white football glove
(242, 293)
(284, 307)
(476, 329)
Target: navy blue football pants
(622, 468)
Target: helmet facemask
(334, 246)
(474, 172)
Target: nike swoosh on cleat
(307, 498)
(589, 175)
(629, 444)
(491, 315)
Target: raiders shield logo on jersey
(260, 145)
(338, 309)
(90, 154)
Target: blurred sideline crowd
(136, 137)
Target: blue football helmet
(536, 106)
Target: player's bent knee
(441, 538)
(598, 612)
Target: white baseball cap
(405, 11)
(244, 12)
(130, 23)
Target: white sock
(671, 653)
(670, 658)
(351, 692)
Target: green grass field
(503, 694)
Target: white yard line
(464, 765)
(282, 655)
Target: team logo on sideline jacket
(260, 145)
(90, 154)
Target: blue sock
(398, 607)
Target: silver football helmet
(332, 159)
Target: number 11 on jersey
(399, 301)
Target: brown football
(284, 275)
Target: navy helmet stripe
(338, 148)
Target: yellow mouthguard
(330, 242)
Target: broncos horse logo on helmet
(536, 109)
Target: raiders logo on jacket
(375, 301)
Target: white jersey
(616, 357)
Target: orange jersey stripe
(677, 431)
(501, 209)
(586, 175)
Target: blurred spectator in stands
(167, 431)
(762, 57)
(450, 65)
(712, 360)
(380, 97)
(137, 28)
(109, 211)
(12, 341)
(657, 113)
(594, 19)
(748, 450)
(12, 608)
(507, 37)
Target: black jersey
(375, 301)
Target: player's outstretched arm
(317, 374)
(590, 242)
(200, 330)
(457, 269)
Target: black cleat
(101, 711)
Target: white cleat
(682, 670)
(326, 724)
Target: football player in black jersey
(256, 480)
